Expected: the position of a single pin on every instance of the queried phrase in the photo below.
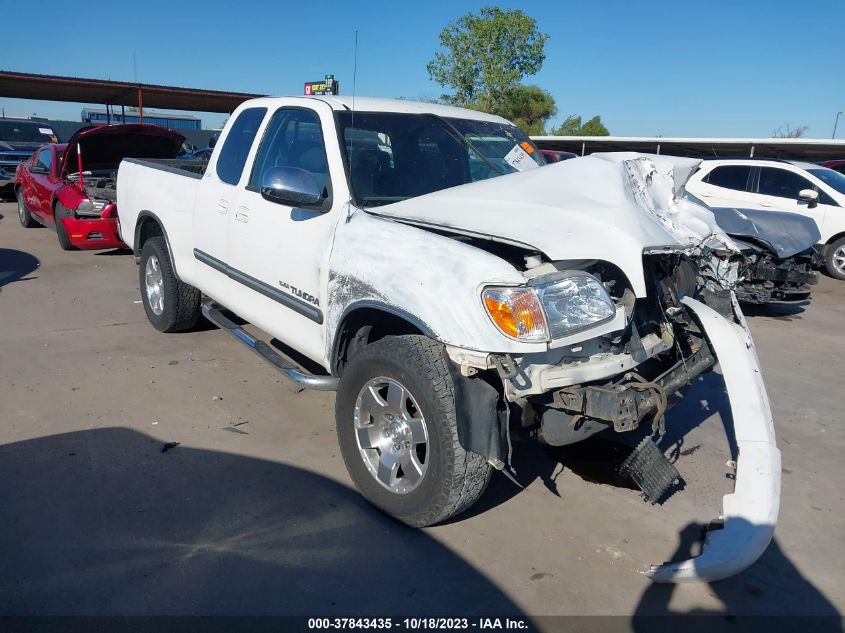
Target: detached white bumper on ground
(750, 513)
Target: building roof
(809, 149)
(82, 90)
(147, 113)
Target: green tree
(487, 54)
(572, 126)
(527, 106)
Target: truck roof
(375, 104)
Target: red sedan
(555, 155)
(70, 187)
(835, 165)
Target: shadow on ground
(771, 595)
(15, 265)
(114, 251)
(103, 522)
(779, 311)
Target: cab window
(233, 154)
(293, 138)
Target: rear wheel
(60, 213)
(397, 430)
(25, 216)
(171, 304)
(835, 259)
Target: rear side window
(730, 177)
(230, 163)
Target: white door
(777, 190)
(277, 250)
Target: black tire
(834, 259)
(180, 308)
(454, 478)
(27, 221)
(59, 213)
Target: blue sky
(714, 68)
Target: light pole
(835, 121)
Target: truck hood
(105, 146)
(582, 208)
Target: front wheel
(171, 304)
(59, 214)
(835, 259)
(398, 434)
(24, 215)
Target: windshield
(829, 177)
(26, 132)
(396, 156)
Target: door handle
(222, 206)
(242, 214)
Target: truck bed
(191, 168)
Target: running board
(305, 380)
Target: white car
(780, 185)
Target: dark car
(71, 187)
(19, 138)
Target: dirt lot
(253, 512)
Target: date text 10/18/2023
(418, 623)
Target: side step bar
(307, 381)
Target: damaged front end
(685, 326)
(765, 278)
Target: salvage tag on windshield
(46, 130)
(519, 159)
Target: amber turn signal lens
(516, 312)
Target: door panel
(278, 250)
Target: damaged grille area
(623, 403)
(765, 278)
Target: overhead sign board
(328, 86)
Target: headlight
(549, 310)
(517, 313)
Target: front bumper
(750, 513)
(93, 233)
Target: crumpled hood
(582, 208)
(105, 146)
(785, 234)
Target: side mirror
(810, 196)
(291, 186)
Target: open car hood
(582, 208)
(105, 146)
(785, 234)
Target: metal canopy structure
(117, 93)
(812, 150)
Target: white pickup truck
(455, 296)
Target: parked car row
(70, 187)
